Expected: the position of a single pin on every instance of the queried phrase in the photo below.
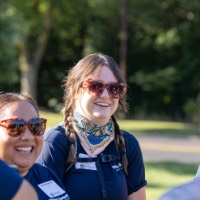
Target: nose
(105, 93)
(27, 135)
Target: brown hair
(74, 79)
(7, 98)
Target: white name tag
(85, 165)
(51, 188)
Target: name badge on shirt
(85, 165)
(51, 188)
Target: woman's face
(98, 109)
(22, 150)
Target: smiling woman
(21, 141)
(89, 145)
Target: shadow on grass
(169, 132)
(173, 167)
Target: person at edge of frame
(185, 191)
(21, 141)
(13, 186)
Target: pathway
(170, 148)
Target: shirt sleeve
(136, 170)
(10, 181)
(55, 151)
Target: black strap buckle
(109, 158)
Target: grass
(139, 126)
(160, 175)
(52, 118)
(159, 127)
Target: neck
(85, 125)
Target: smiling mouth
(25, 149)
(102, 104)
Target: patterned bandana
(93, 137)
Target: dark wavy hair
(9, 97)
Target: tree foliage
(162, 49)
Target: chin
(102, 115)
(100, 118)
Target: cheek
(6, 146)
(39, 143)
(116, 102)
(84, 100)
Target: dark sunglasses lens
(15, 127)
(116, 90)
(37, 126)
(96, 87)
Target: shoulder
(41, 172)
(132, 145)
(55, 134)
(130, 140)
(38, 168)
(185, 191)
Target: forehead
(21, 109)
(104, 73)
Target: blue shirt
(10, 181)
(187, 191)
(81, 180)
(46, 183)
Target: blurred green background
(155, 42)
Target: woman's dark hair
(9, 97)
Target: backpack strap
(69, 164)
(101, 158)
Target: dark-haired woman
(21, 139)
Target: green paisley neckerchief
(95, 137)
(84, 125)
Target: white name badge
(51, 188)
(85, 165)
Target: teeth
(102, 104)
(24, 149)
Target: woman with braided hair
(94, 158)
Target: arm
(139, 195)
(25, 192)
(136, 171)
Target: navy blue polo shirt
(81, 181)
(46, 183)
(10, 181)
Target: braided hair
(72, 83)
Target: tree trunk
(28, 75)
(123, 42)
(123, 36)
(30, 60)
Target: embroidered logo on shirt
(117, 167)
